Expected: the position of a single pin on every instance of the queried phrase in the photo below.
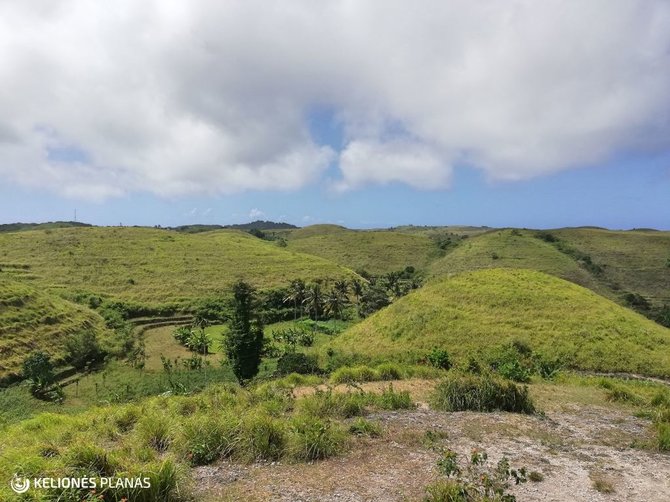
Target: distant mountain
(18, 227)
(254, 225)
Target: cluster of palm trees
(319, 299)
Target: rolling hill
(32, 320)
(636, 261)
(152, 265)
(477, 310)
(376, 252)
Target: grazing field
(151, 265)
(32, 320)
(376, 252)
(477, 310)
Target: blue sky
(624, 194)
(170, 113)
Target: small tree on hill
(83, 349)
(39, 370)
(244, 342)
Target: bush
(389, 371)
(460, 392)
(315, 439)
(263, 438)
(182, 334)
(325, 404)
(199, 342)
(206, 439)
(389, 399)
(83, 349)
(439, 358)
(363, 427)
(296, 362)
(352, 375)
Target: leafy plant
(439, 358)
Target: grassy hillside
(636, 261)
(512, 249)
(485, 308)
(376, 252)
(150, 265)
(32, 320)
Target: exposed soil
(572, 447)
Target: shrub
(389, 371)
(199, 342)
(475, 481)
(324, 404)
(439, 358)
(315, 439)
(297, 362)
(352, 375)
(389, 399)
(263, 437)
(363, 427)
(83, 349)
(206, 439)
(156, 431)
(182, 334)
(481, 393)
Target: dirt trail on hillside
(571, 448)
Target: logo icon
(20, 485)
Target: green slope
(485, 308)
(32, 320)
(512, 249)
(151, 265)
(634, 261)
(376, 252)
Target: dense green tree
(82, 349)
(244, 342)
(39, 370)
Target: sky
(356, 112)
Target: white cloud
(256, 214)
(212, 97)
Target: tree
(314, 299)
(244, 342)
(82, 349)
(357, 289)
(335, 303)
(342, 287)
(39, 369)
(296, 295)
(374, 298)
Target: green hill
(152, 265)
(32, 320)
(376, 252)
(512, 249)
(486, 308)
(636, 261)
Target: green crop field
(33, 320)
(376, 252)
(478, 310)
(151, 265)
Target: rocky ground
(585, 452)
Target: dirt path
(571, 448)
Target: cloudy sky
(365, 113)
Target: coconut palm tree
(314, 299)
(296, 295)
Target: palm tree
(314, 299)
(342, 287)
(357, 289)
(296, 296)
(335, 302)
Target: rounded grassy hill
(475, 311)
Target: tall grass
(460, 392)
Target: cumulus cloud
(211, 97)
